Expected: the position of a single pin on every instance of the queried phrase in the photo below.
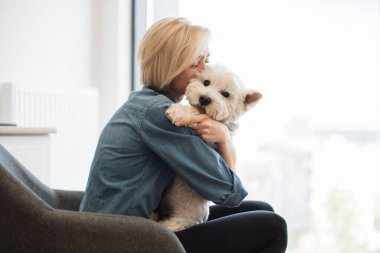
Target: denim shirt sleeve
(190, 157)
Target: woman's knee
(272, 228)
(280, 223)
(280, 231)
(276, 227)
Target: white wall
(112, 23)
(45, 42)
(69, 43)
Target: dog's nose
(204, 100)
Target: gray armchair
(35, 218)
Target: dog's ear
(251, 98)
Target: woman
(140, 151)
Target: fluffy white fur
(219, 93)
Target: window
(311, 147)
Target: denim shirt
(140, 151)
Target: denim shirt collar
(162, 92)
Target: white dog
(219, 93)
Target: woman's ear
(251, 97)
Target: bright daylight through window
(311, 147)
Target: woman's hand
(209, 130)
(212, 131)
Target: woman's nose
(202, 65)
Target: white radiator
(74, 114)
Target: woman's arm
(186, 154)
(213, 131)
(227, 151)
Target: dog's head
(219, 93)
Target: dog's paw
(178, 111)
(173, 113)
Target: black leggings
(251, 227)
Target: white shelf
(31, 146)
(11, 130)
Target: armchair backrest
(12, 171)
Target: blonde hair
(169, 47)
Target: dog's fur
(219, 93)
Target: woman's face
(179, 84)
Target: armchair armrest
(70, 231)
(68, 200)
(92, 232)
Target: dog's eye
(225, 94)
(206, 82)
